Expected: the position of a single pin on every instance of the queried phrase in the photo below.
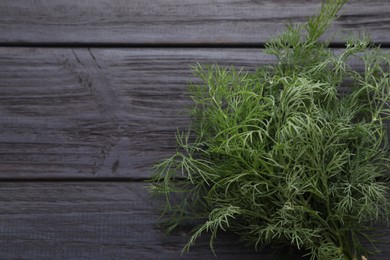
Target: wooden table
(92, 93)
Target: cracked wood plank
(192, 22)
(97, 113)
(79, 113)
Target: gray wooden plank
(175, 21)
(97, 113)
(101, 220)
(80, 113)
(98, 220)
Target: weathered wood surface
(97, 220)
(77, 113)
(84, 113)
(97, 113)
(101, 220)
(190, 22)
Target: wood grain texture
(102, 220)
(80, 113)
(98, 220)
(97, 113)
(176, 21)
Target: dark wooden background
(91, 95)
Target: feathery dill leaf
(281, 156)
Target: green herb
(283, 156)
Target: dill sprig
(283, 156)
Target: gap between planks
(260, 45)
(83, 180)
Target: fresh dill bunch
(283, 156)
